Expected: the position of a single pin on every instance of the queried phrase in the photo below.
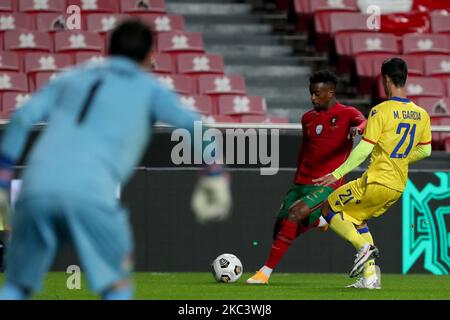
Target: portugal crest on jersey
(319, 129)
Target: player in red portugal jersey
(328, 132)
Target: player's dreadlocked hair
(324, 76)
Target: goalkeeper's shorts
(100, 234)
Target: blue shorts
(99, 232)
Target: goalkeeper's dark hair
(132, 39)
(396, 69)
(324, 76)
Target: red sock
(283, 241)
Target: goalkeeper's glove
(6, 175)
(211, 200)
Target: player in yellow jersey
(397, 133)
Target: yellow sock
(369, 266)
(346, 230)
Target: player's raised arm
(167, 108)
(211, 199)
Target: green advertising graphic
(426, 226)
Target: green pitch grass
(292, 286)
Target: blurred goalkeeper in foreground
(99, 124)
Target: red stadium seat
(239, 105)
(102, 23)
(10, 61)
(180, 42)
(82, 57)
(324, 8)
(301, 14)
(51, 22)
(435, 106)
(374, 62)
(41, 79)
(415, 64)
(163, 63)
(424, 87)
(38, 62)
(440, 24)
(447, 144)
(348, 21)
(201, 104)
(439, 139)
(448, 87)
(198, 64)
(401, 23)
(263, 119)
(8, 5)
(13, 100)
(33, 6)
(163, 23)
(304, 10)
(425, 43)
(180, 84)
(419, 87)
(368, 67)
(328, 24)
(350, 44)
(373, 42)
(78, 41)
(16, 21)
(333, 6)
(430, 5)
(25, 40)
(96, 6)
(219, 85)
(148, 6)
(437, 65)
(13, 81)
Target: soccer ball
(227, 268)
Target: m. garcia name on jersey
(407, 114)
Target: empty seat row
(72, 41)
(94, 22)
(103, 6)
(422, 18)
(362, 42)
(327, 25)
(349, 45)
(368, 68)
(230, 108)
(188, 64)
(226, 104)
(181, 84)
(421, 87)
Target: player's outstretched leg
(285, 231)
